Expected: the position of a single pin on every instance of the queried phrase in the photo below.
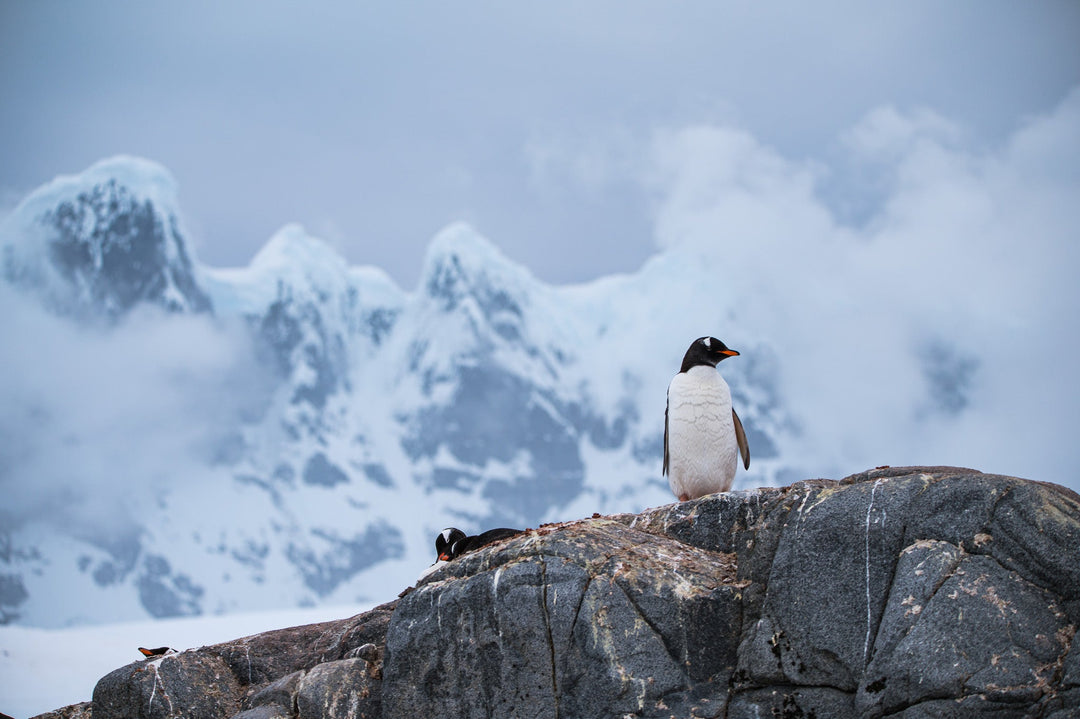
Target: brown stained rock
(590, 618)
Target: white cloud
(92, 419)
(886, 134)
(968, 261)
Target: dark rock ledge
(898, 592)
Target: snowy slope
(367, 417)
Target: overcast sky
(375, 125)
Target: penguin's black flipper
(740, 436)
(494, 535)
(471, 544)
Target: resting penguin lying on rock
(451, 543)
(157, 652)
(703, 436)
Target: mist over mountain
(181, 439)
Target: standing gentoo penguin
(702, 434)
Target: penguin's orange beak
(729, 353)
(444, 557)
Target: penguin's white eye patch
(708, 341)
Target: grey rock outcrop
(898, 592)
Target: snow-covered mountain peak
(460, 263)
(100, 242)
(478, 307)
(291, 264)
(292, 249)
(144, 179)
(295, 267)
(463, 241)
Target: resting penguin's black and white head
(444, 542)
(707, 351)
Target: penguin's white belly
(702, 448)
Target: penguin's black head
(444, 542)
(706, 351)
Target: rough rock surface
(327, 667)
(83, 710)
(898, 592)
